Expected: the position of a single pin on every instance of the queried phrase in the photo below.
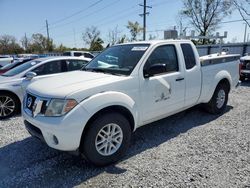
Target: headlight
(59, 107)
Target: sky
(68, 19)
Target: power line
(65, 18)
(87, 15)
(127, 12)
(76, 13)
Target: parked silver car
(13, 83)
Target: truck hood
(67, 84)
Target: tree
(152, 37)
(113, 36)
(61, 48)
(206, 15)
(97, 45)
(91, 37)
(9, 45)
(40, 44)
(243, 7)
(135, 29)
(25, 41)
(122, 39)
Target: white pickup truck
(94, 111)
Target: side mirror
(155, 69)
(30, 75)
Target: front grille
(246, 65)
(35, 105)
(30, 101)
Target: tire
(218, 102)
(94, 139)
(9, 105)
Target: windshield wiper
(104, 71)
(95, 70)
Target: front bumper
(61, 133)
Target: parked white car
(13, 83)
(4, 60)
(79, 54)
(94, 111)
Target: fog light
(55, 140)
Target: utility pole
(245, 34)
(25, 42)
(74, 37)
(48, 39)
(145, 13)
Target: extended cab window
(75, 64)
(51, 67)
(165, 55)
(188, 54)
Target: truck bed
(212, 67)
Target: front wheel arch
(116, 108)
(89, 141)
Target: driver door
(162, 94)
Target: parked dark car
(12, 65)
(245, 68)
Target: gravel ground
(190, 149)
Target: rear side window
(51, 67)
(188, 55)
(76, 64)
(78, 54)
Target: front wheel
(107, 139)
(218, 102)
(9, 105)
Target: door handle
(179, 79)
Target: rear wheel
(107, 139)
(218, 102)
(9, 105)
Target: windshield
(21, 68)
(9, 66)
(120, 60)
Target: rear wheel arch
(11, 93)
(226, 83)
(212, 105)
(15, 97)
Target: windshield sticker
(139, 48)
(33, 63)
